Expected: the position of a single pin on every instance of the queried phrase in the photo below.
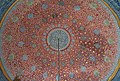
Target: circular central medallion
(60, 35)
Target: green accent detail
(33, 68)
(83, 46)
(110, 41)
(37, 27)
(96, 73)
(81, 28)
(8, 38)
(44, 60)
(79, 55)
(83, 37)
(74, 20)
(44, 20)
(93, 5)
(97, 45)
(11, 57)
(53, 64)
(77, 8)
(20, 72)
(61, 3)
(38, 53)
(25, 57)
(52, 52)
(55, 15)
(83, 68)
(65, 16)
(30, 2)
(63, 64)
(34, 36)
(106, 22)
(106, 59)
(34, 45)
(2, 4)
(71, 61)
(15, 19)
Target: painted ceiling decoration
(59, 40)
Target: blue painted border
(115, 5)
(4, 5)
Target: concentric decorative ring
(62, 35)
